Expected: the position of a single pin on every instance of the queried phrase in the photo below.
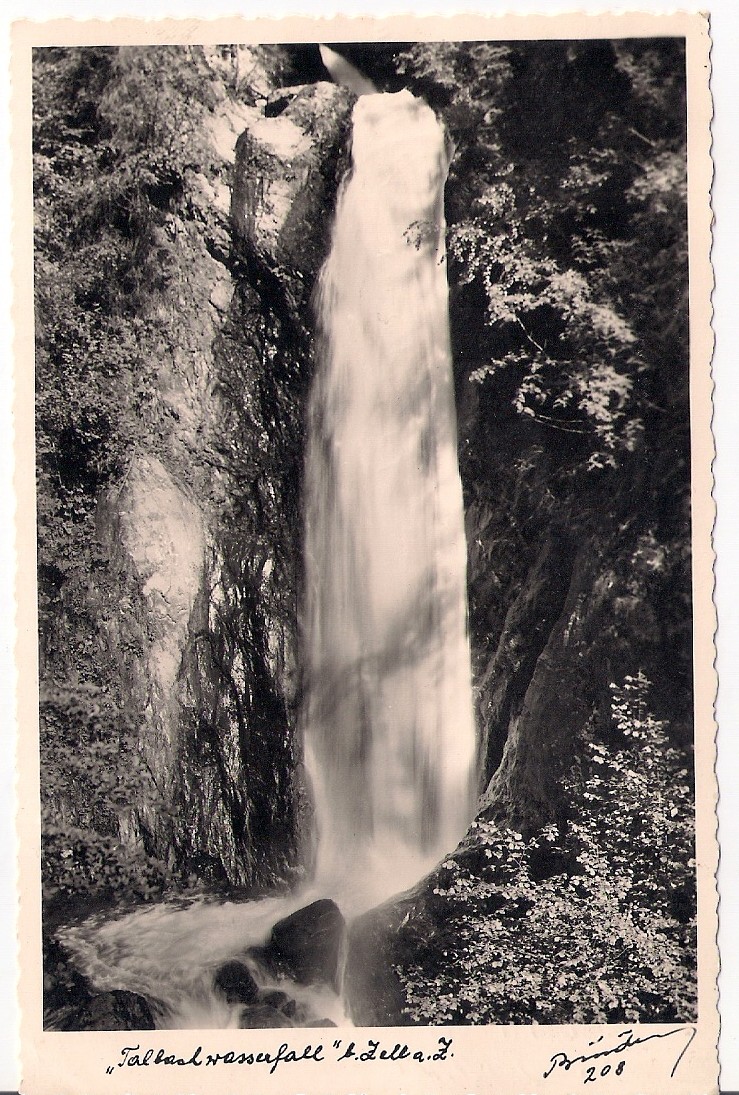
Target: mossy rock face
(64, 986)
(285, 178)
(185, 622)
(115, 1010)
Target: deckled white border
(187, 7)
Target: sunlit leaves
(94, 775)
(593, 921)
(554, 229)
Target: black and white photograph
(366, 490)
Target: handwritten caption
(340, 1050)
(589, 1066)
(627, 1040)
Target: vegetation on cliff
(141, 354)
(101, 197)
(581, 922)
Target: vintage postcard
(365, 614)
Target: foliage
(592, 921)
(116, 132)
(566, 204)
(85, 350)
(93, 776)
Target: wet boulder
(281, 1001)
(308, 944)
(260, 1016)
(235, 982)
(114, 1010)
(392, 934)
(371, 985)
(71, 1002)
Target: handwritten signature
(627, 1040)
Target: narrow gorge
(344, 702)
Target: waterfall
(389, 731)
(390, 742)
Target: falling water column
(390, 741)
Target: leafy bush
(560, 229)
(93, 777)
(81, 863)
(586, 922)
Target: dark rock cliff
(200, 533)
(221, 683)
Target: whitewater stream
(387, 720)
